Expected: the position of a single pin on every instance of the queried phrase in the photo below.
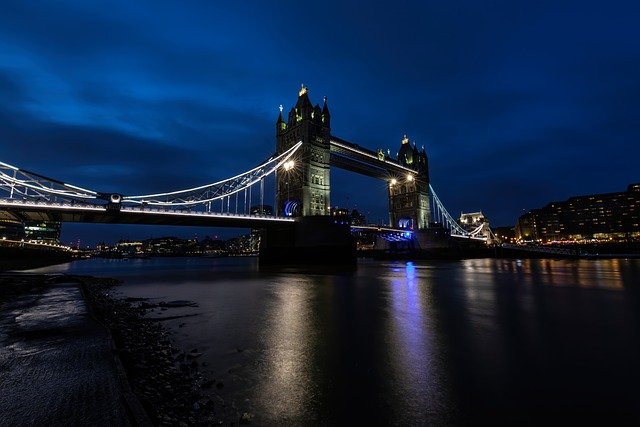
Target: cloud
(516, 103)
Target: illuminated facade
(610, 216)
(473, 220)
(409, 205)
(302, 185)
(43, 231)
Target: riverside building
(597, 217)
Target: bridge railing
(206, 194)
(19, 183)
(28, 187)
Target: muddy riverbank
(60, 334)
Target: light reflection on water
(286, 391)
(601, 273)
(401, 342)
(417, 387)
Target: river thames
(480, 341)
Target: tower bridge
(306, 150)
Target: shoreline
(166, 382)
(160, 383)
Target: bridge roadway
(80, 212)
(354, 158)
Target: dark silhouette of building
(266, 210)
(358, 218)
(609, 216)
(505, 234)
(11, 229)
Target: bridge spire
(326, 115)
(280, 124)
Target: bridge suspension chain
(16, 183)
(19, 183)
(218, 190)
(442, 215)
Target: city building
(42, 231)
(358, 218)
(266, 210)
(11, 229)
(505, 234)
(339, 212)
(599, 217)
(248, 244)
(474, 220)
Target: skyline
(517, 105)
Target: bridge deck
(67, 212)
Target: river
(407, 343)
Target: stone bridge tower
(303, 186)
(409, 205)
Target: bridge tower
(409, 205)
(303, 186)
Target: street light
(289, 165)
(394, 181)
(409, 177)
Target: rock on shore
(165, 379)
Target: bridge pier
(313, 240)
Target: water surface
(446, 342)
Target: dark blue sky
(517, 103)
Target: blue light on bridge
(290, 207)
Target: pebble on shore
(165, 379)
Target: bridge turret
(409, 205)
(317, 115)
(326, 116)
(405, 154)
(423, 163)
(281, 126)
(304, 107)
(304, 189)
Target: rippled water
(480, 341)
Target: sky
(517, 103)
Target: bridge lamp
(394, 181)
(409, 177)
(289, 165)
